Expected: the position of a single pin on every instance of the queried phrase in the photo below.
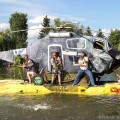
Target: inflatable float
(8, 87)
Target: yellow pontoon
(19, 87)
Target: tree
(88, 31)
(46, 27)
(58, 25)
(67, 26)
(115, 38)
(18, 21)
(1, 41)
(79, 30)
(57, 22)
(100, 34)
(6, 42)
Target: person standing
(83, 64)
(56, 67)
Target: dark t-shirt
(31, 65)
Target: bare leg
(30, 76)
(59, 79)
(53, 77)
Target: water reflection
(12, 73)
(59, 107)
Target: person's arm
(80, 63)
(59, 61)
(25, 64)
(52, 61)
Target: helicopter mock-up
(104, 58)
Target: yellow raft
(18, 87)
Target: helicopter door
(54, 48)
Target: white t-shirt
(83, 62)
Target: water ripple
(34, 107)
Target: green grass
(117, 71)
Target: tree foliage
(80, 30)
(57, 22)
(46, 27)
(69, 26)
(6, 42)
(18, 21)
(115, 38)
(17, 71)
(88, 31)
(100, 34)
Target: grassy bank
(67, 78)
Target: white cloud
(39, 19)
(32, 8)
(20, 2)
(106, 32)
(36, 20)
(4, 26)
(34, 28)
(34, 31)
(72, 18)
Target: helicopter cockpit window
(110, 46)
(99, 45)
(76, 43)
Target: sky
(103, 14)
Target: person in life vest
(29, 64)
(56, 67)
(83, 64)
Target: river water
(59, 107)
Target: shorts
(56, 71)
